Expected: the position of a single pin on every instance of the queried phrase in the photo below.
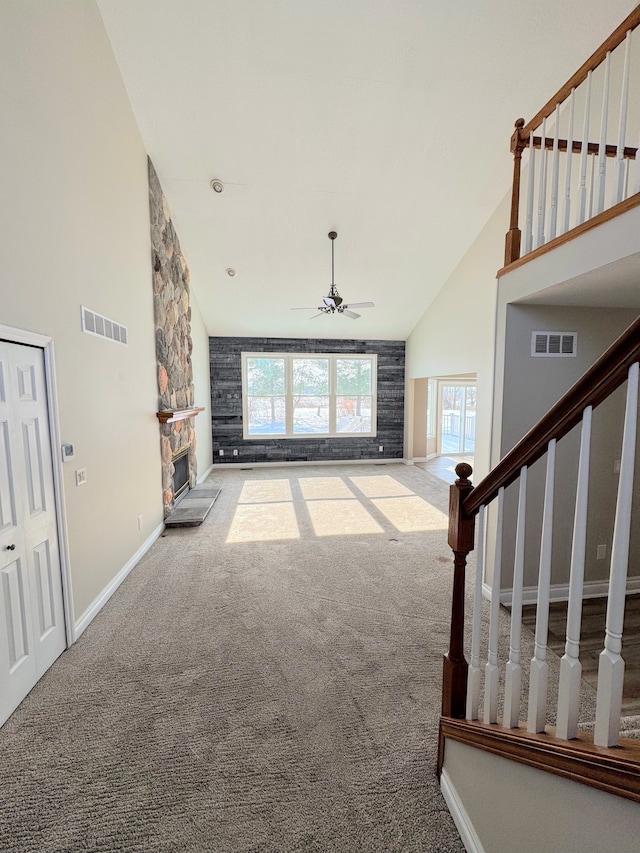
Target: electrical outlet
(380, 448)
(139, 522)
(601, 552)
(81, 476)
(221, 453)
(235, 452)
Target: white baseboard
(560, 591)
(204, 476)
(97, 604)
(459, 814)
(245, 465)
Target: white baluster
(539, 676)
(567, 177)
(592, 184)
(555, 173)
(513, 672)
(570, 666)
(602, 147)
(611, 664)
(542, 187)
(584, 154)
(627, 172)
(528, 233)
(491, 668)
(475, 672)
(622, 124)
(636, 170)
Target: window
(289, 395)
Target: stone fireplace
(172, 315)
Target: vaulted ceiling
(387, 121)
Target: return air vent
(554, 344)
(103, 327)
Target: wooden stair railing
(584, 190)
(461, 683)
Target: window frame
(288, 395)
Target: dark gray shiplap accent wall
(226, 404)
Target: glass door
(457, 419)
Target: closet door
(32, 632)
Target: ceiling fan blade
(321, 314)
(329, 301)
(361, 305)
(351, 314)
(306, 308)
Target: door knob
(11, 547)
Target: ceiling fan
(333, 302)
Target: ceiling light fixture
(216, 185)
(231, 271)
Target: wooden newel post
(461, 536)
(512, 242)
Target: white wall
(514, 807)
(456, 333)
(74, 217)
(531, 386)
(201, 380)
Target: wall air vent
(103, 327)
(554, 344)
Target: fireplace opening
(180, 473)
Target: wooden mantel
(178, 414)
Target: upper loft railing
(462, 683)
(580, 165)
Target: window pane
(266, 415)
(353, 375)
(353, 414)
(311, 376)
(310, 414)
(265, 376)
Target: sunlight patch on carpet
(263, 523)
(341, 518)
(264, 491)
(314, 488)
(412, 514)
(383, 486)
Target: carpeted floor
(252, 696)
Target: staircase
(543, 716)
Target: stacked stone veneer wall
(173, 337)
(226, 404)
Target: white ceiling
(385, 120)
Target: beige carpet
(265, 683)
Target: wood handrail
(606, 374)
(617, 37)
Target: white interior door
(32, 631)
